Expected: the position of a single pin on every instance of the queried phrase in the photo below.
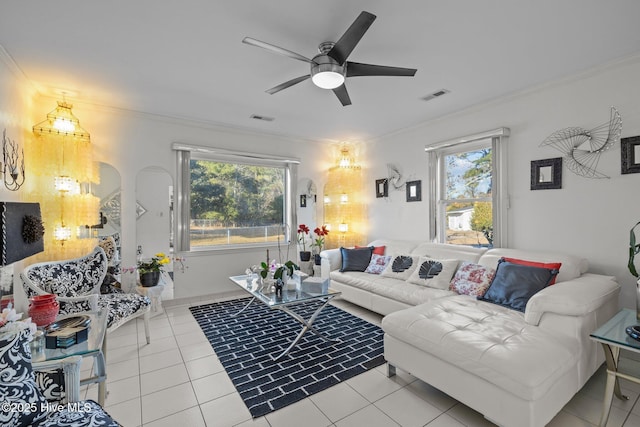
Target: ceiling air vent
(263, 118)
(435, 94)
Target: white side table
(154, 293)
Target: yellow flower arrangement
(155, 264)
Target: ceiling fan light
(326, 73)
(328, 79)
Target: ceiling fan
(330, 67)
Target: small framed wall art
(303, 200)
(414, 191)
(382, 187)
(630, 154)
(546, 174)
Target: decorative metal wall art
(582, 148)
(12, 163)
(394, 176)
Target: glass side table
(613, 338)
(94, 346)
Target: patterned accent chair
(77, 283)
(23, 391)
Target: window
(468, 191)
(232, 200)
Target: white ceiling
(185, 58)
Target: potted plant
(280, 273)
(150, 270)
(318, 241)
(303, 232)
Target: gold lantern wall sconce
(12, 163)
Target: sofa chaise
(518, 367)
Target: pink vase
(43, 309)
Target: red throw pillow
(548, 265)
(377, 250)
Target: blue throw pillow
(356, 259)
(514, 284)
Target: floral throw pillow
(378, 264)
(472, 279)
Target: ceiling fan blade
(343, 95)
(275, 49)
(356, 69)
(287, 84)
(343, 47)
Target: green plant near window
(634, 249)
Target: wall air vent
(263, 118)
(435, 94)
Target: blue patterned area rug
(247, 344)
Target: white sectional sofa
(516, 368)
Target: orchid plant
(320, 233)
(303, 232)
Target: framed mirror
(382, 187)
(546, 174)
(630, 154)
(414, 191)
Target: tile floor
(178, 381)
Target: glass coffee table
(94, 346)
(286, 303)
(613, 337)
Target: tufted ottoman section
(488, 341)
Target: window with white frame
(230, 199)
(467, 191)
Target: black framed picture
(382, 187)
(303, 200)
(630, 153)
(546, 174)
(414, 191)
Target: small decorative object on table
(279, 273)
(150, 270)
(43, 309)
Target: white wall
(587, 217)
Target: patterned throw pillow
(401, 267)
(472, 279)
(18, 388)
(434, 273)
(378, 264)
